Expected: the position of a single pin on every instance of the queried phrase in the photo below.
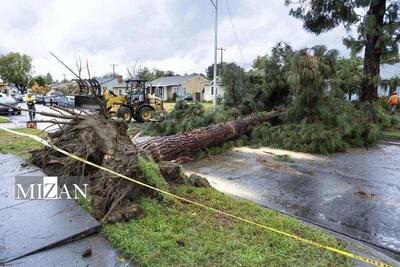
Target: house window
(179, 91)
(212, 90)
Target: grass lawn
(4, 119)
(18, 145)
(392, 133)
(395, 132)
(170, 106)
(173, 233)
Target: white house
(388, 72)
(208, 91)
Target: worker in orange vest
(394, 101)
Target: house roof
(212, 81)
(105, 80)
(389, 71)
(171, 80)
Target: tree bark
(183, 145)
(373, 49)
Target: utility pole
(215, 4)
(222, 54)
(64, 76)
(113, 67)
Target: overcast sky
(172, 35)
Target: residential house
(208, 92)
(115, 84)
(388, 72)
(165, 87)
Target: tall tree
(378, 30)
(348, 76)
(139, 72)
(40, 80)
(16, 68)
(210, 70)
(233, 80)
(49, 78)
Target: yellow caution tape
(304, 240)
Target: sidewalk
(47, 232)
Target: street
(19, 121)
(355, 193)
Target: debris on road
(86, 253)
(277, 166)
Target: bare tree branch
(87, 68)
(78, 64)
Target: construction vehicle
(137, 104)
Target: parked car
(51, 98)
(187, 97)
(39, 99)
(66, 101)
(12, 108)
(17, 97)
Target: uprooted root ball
(106, 143)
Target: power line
(113, 67)
(234, 32)
(222, 53)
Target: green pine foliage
(311, 84)
(319, 121)
(315, 137)
(186, 117)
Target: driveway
(355, 193)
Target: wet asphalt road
(355, 193)
(19, 121)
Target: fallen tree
(180, 145)
(105, 141)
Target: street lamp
(215, 4)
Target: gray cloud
(167, 34)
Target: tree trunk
(373, 49)
(183, 145)
(21, 88)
